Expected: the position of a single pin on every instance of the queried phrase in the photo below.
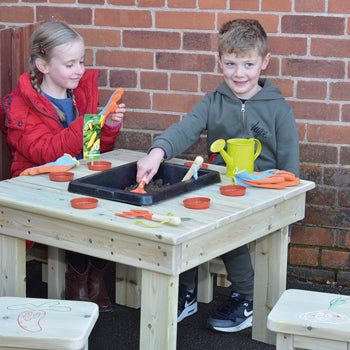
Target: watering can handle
(258, 148)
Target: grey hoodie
(266, 116)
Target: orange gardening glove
(272, 178)
(63, 163)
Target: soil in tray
(155, 185)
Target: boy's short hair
(242, 35)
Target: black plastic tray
(110, 184)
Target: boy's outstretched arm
(149, 164)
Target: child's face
(241, 73)
(65, 68)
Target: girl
(45, 115)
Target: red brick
(338, 6)
(185, 20)
(313, 90)
(184, 82)
(149, 3)
(124, 59)
(93, 2)
(149, 121)
(102, 78)
(270, 23)
(346, 113)
(138, 141)
(345, 235)
(311, 173)
(301, 130)
(123, 78)
(100, 37)
(175, 103)
(311, 153)
(71, 1)
(89, 58)
(17, 14)
(335, 259)
(182, 3)
(311, 235)
(282, 45)
(327, 69)
(339, 91)
(315, 110)
(185, 62)
(337, 47)
(137, 100)
(123, 18)
(338, 134)
(303, 256)
(345, 155)
(154, 80)
(322, 25)
(322, 195)
(344, 197)
(285, 85)
(70, 15)
(279, 6)
(337, 176)
(251, 5)
(343, 278)
(311, 274)
(122, 2)
(151, 40)
(309, 6)
(327, 216)
(212, 4)
(273, 69)
(200, 41)
(209, 82)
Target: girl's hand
(116, 118)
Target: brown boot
(97, 289)
(76, 284)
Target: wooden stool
(29, 323)
(311, 320)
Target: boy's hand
(149, 164)
(117, 116)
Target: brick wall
(163, 53)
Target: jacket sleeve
(108, 137)
(287, 143)
(180, 136)
(40, 144)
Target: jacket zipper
(243, 111)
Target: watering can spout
(219, 147)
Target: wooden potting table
(37, 209)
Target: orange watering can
(240, 154)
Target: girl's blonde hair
(43, 40)
(242, 35)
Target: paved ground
(119, 330)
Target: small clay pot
(204, 166)
(197, 203)
(61, 176)
(99, 165)
(232, 190)
(84, 203)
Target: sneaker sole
(192, 309)
(246, 324)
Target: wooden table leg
(12, 267)
(56, 273)
(159, 297)
(271, 254)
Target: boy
(243, 106)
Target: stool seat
(30, 323)
(311, 320)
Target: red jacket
(34, 132)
